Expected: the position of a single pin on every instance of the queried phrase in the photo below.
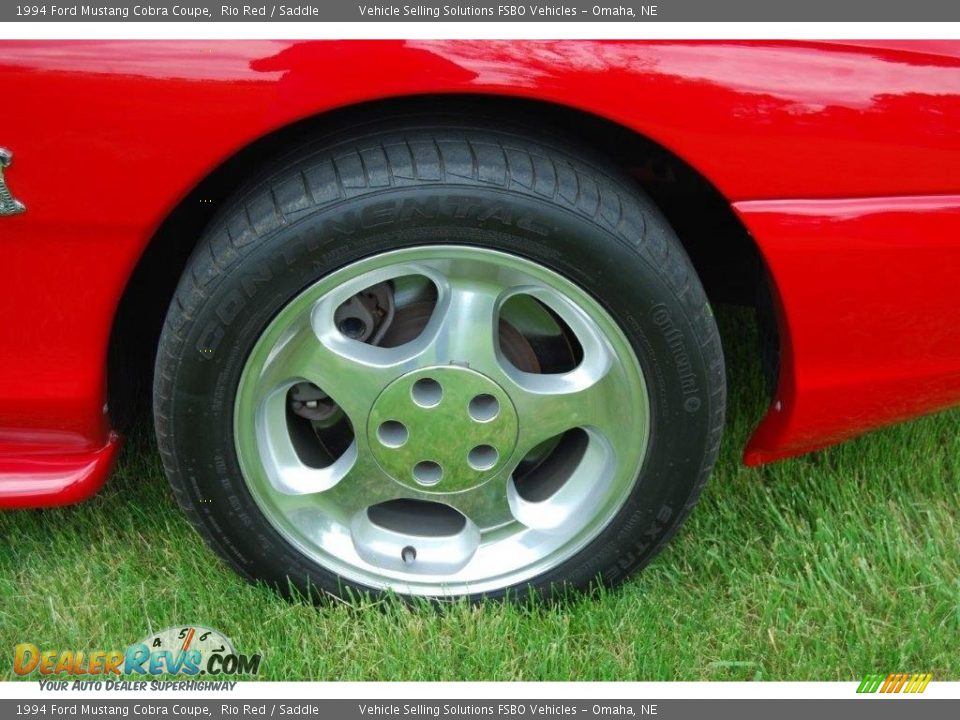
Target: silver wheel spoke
(590, 395)
(362, 485)
(552, 404)
(463, 328)
(286, 471)
(581, 494)
(414, 553)
(351, 372)
(487, 505)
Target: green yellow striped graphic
(895, 683)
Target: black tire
(565, 209)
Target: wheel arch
(724, 254)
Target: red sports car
(434, 317)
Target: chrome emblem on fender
(8, 204)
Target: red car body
(841, 159)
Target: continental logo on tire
(892, 683)
(688, 380)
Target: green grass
(823, 567)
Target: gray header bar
(570, 11)
(874, 708)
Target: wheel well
(721, 249)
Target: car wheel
(438, 359)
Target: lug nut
(427, 472)
(392, 433)
(427, 392)
(483, 457)
(484, 408)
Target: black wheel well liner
(722, 251)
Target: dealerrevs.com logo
(190, 650)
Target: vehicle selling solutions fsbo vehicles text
(502, 11)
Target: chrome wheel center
(442, 429)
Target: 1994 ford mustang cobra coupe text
(432, 316)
